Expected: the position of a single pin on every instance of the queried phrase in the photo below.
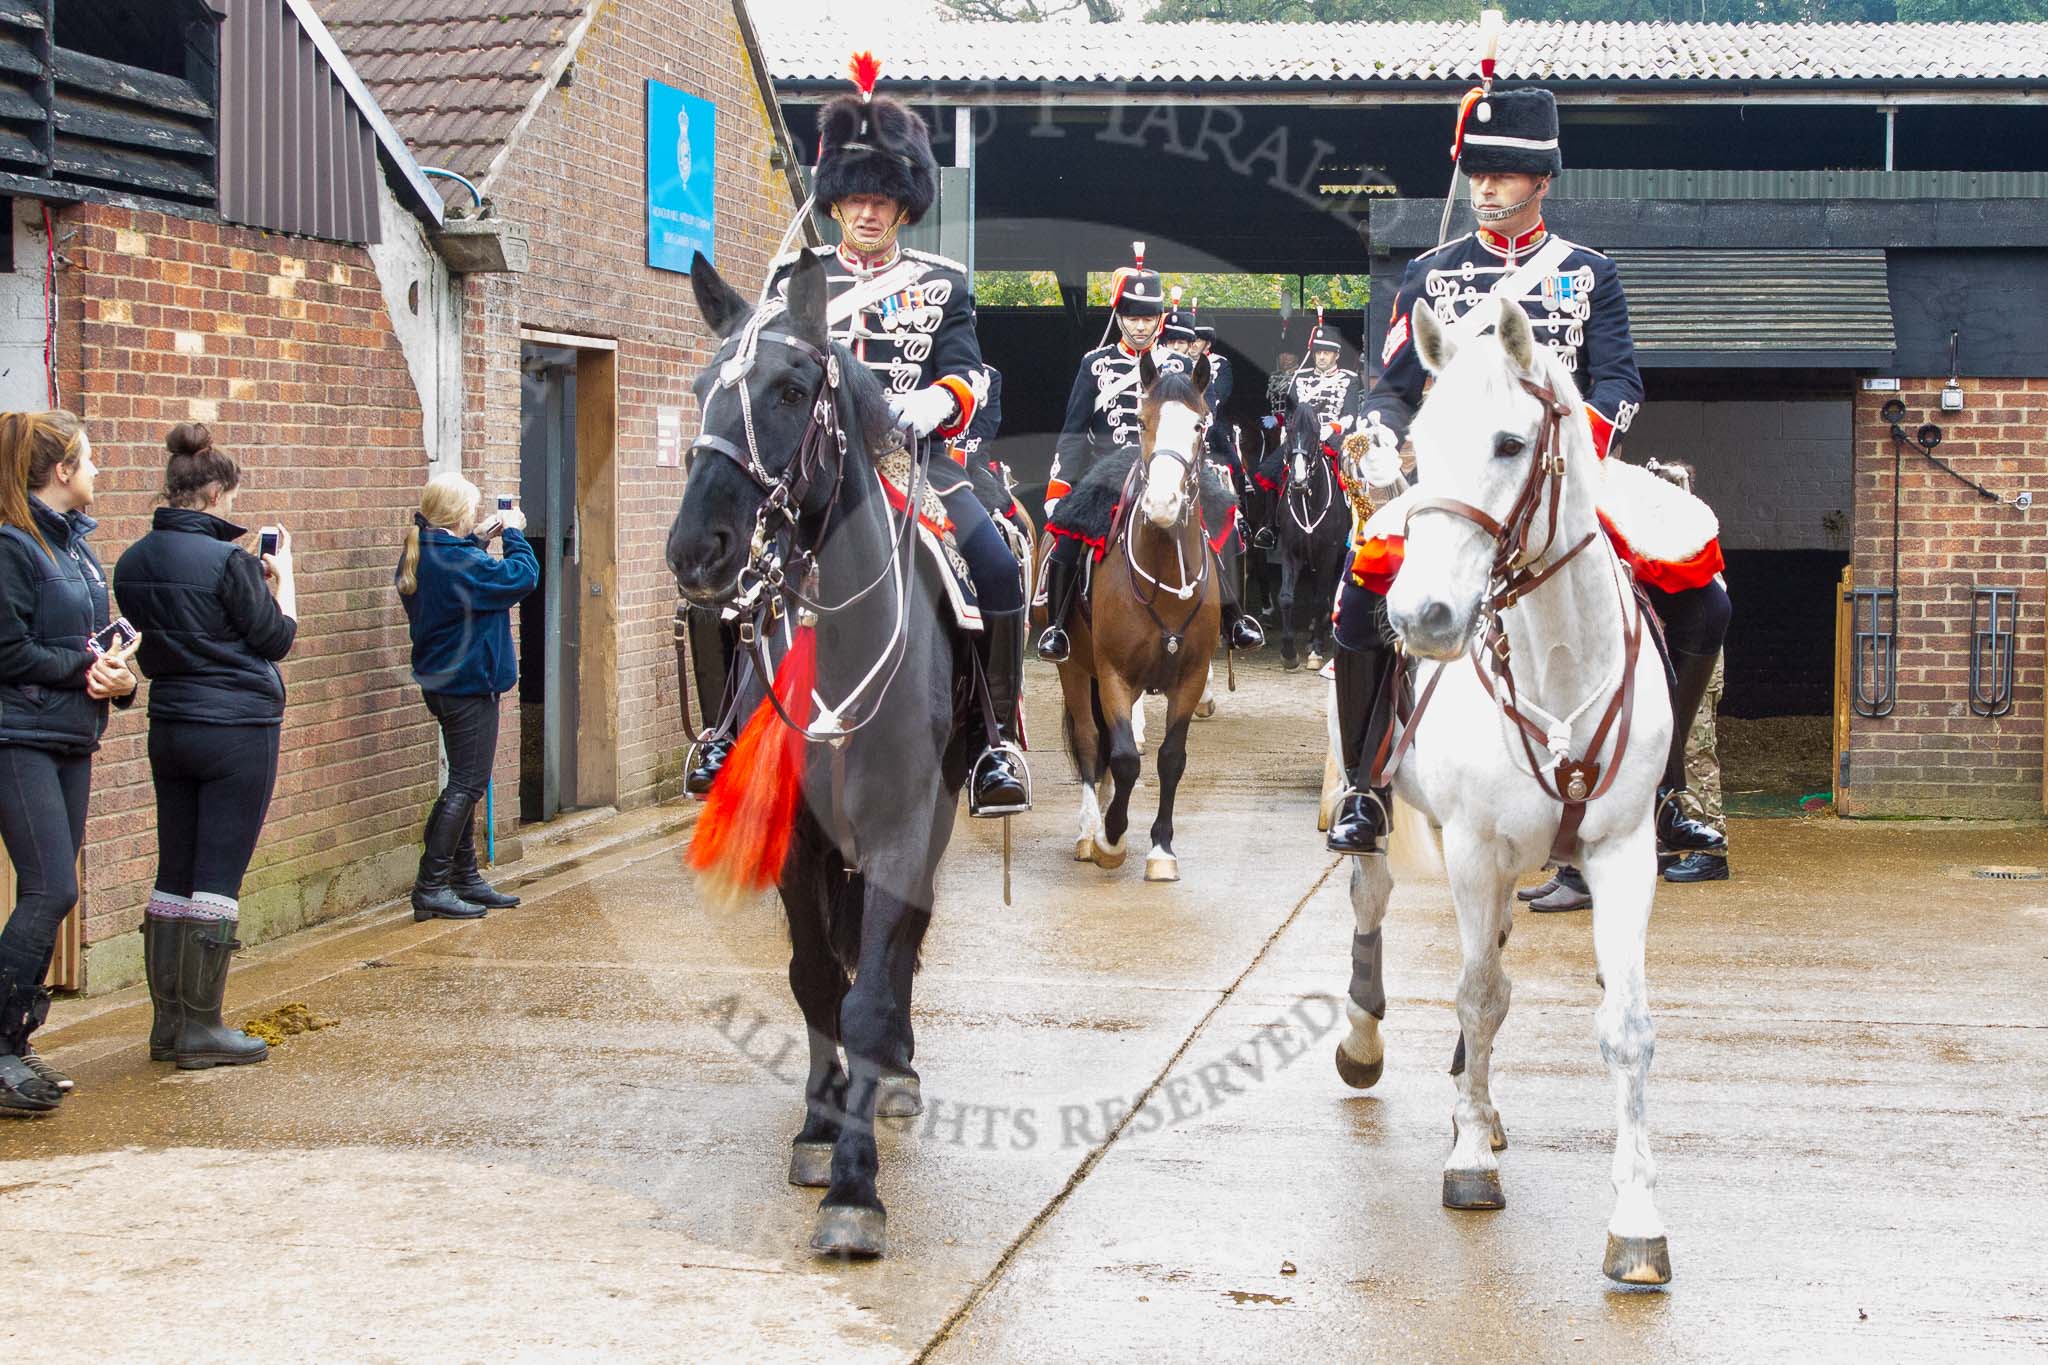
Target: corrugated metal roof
(1834, 184)
(1759, 307)
(1137, 53)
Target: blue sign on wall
(682, 176)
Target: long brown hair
(33, 447)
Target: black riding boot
(466, 879)
(1240, 630)
(23, 1006)
(432, 897)
(711, 645)
(160, 967)
(998, 783)
(1365, 709)
(1678, 832)
(1062, 579)
(203, 1040)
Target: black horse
(1315, 526)
(790, 424)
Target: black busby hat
(1509, 132)
(870, 144)
(1180, 322)
(1203, 332)
(1137, 292)
(1323, 337)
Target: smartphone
(267, 540)
(118, 635)
(504, 502)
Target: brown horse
(1156, 608)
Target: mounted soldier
(1332, 390)
(908, 315)
(1102, 421)
(1222, 380)
(1507, 146)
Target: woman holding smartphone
(458, 601)
(215, 621)
(57, 675)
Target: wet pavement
(563, 1132)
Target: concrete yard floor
(562, 1133)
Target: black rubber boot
(1364, 714)
(1678, 832)
(998, 783)
(203, 1040)
(432, 897)
(466, 879)
(23, 1007)
(1060, 581)
(160, 969)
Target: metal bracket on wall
(1993, 618)
(1874, 619)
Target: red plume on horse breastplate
(743, 837)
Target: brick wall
(1932, 756)
(576, 183)
(282, 346)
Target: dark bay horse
(1315, 527)
(1154, 620)
(848, 809)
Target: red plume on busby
(871, 144)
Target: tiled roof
(1393, 53)
(454, 76)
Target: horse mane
(1174, 387)
(867, 400)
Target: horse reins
(1192, 497)
(1330, 494)
(1575, 781)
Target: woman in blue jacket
(458, 599)
(54, 692)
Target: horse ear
(1517, 337)
(724, 307)
(1148, 369)
(808, 295)
(1433, 344)
(1202, 372)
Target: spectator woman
(458, 599)
(215, 621)
(54, 692)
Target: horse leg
(1480, 891)
(1123, 771)
(1290, 579)
(1623, 877)
(1084, 745)
(851, 1221)
(1205, 709)
(819, 984)
(1138, 721)
(1362, 1053)
(1161, 864)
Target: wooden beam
(130, 83)
(597, 545)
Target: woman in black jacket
(54, 692)
(214, 623)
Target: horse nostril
(1434, 618)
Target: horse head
(776, 402)
(1304, 435)
(1478, 442)
(1172, 415)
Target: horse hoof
(1084, 850)
(1356, 1074)
(898, 1097)
(1474, 1190)
(1499, 1140)
(1637, 1260)
(810, 1164)
(1206, 709)
(1289, 666)
(1314, 663)
(1162, 868)
(1108, 857)
(849, 1233)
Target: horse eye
(793, 394)
(1507, 447)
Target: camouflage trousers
(1703, 762)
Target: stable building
(1833, 239)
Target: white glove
(924, 411)
(1383, 462)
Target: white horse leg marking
(1091, 825)
(1622, 875)
(1472, 1173)
(1161, 865)
(1362, 1052)
(1206, 707)
(1138, 723)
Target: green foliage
(1016, 289)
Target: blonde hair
(33, 447)
(444, 502)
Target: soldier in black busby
(908, 316)
(1332, 389)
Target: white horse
(1562, 604)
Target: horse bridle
(1191, 497)
(1325, 457)
(1513, 577)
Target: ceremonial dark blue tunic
(1102, 411)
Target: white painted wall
(1779, 474)
(24, 385)
(429, 332)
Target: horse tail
(1413, 850)
(743, 838)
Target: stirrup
(1386, 823)
(1054, 647)
(980, 764)
(693, 759)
